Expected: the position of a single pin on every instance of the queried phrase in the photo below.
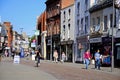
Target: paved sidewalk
(116, 71)
(11, 71)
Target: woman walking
(87, 58)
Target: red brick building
(8, 27)
(41, 25)
(53, 8)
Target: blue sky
(22, 13)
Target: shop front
(104, 44)
(67, 48)
(117, 52)
(82, 46)
(95, 44)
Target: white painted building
(67, 31)
(82, 28)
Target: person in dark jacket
(37, 56)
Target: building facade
(53, 27)
(67, 29)
(41, 26)
(9, 27)
(101, 24)
(82, 28)
(3, 37)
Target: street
(69, 71)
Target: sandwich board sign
(16, 59)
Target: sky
(22, 14)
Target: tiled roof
(66, 3)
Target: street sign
(37, 32)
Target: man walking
(97, 59)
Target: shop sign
(95, 40)
(16, 59)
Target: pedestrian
(87, 58)
(63, 57)
(55, 55)
(97, 59)
(37, 57)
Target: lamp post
(112, 63)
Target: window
(111, 20)
(68, 31)
(105, 23)
(98, 20)
(69, 11)
(64, 16)
(78, 28)
(63, 31)
(86, 24)
(82, 25)
(78, 8)
(93, 21)
(86, 5)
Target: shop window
(118, 53)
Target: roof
(66, 3)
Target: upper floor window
(78, 26)
(86, 24)
(68, 31)
(105, 23)
(64, 16)
(98, 20)
(63, 31)
(111, 20)
(86, 5)
(78, 8)
(93, 21)
(69, 11)
(82, 24)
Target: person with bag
(87, 58)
